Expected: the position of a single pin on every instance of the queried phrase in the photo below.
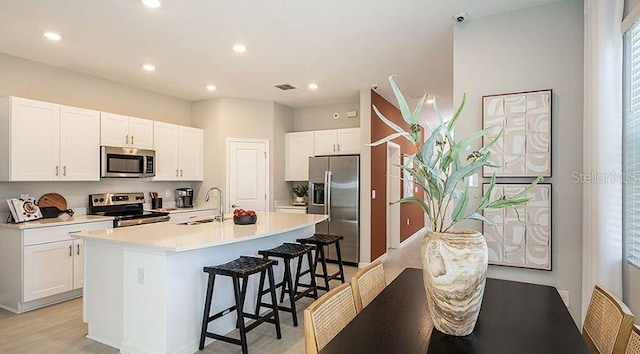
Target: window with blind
(631, 145)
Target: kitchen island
(144, 285)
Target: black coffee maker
(184, 198)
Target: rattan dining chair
(367, 283)
(327, 316)
(633, 347)
(608, 323)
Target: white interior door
(247, 174)
(393, 194)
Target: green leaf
(485, 198)
(461, 206)
(404, 108)
(461, 173)
(387, 138)
(388, 122)
(486, 148)
(457, 114)
(427, 148)
(421, 202)
(418, 109)
(476, 216)
(466, 143)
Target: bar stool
(320, 240)
(289, 251)
(239, 269)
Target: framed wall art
(524, 149)
(521, 236)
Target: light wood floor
(59, 328)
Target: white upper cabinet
(124, 131)
(179, 152)
(140, 133)
(337, 142)
(298, 149)
(191, 153)
(79, 147)
(48, 142)
(325, 142)
(348, 141)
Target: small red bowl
(245, 220)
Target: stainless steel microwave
(127, 162)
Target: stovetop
(126, 208)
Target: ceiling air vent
(285, 87)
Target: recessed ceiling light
(313, 86)
(149, 67)
(239, 48)
(52, 36)
(211, 87)
(151, 3)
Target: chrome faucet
(220, 216)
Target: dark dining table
(514, 318)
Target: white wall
(628, 5)
(539, 48)
(24, 78)
(241, 118)
(321, 117)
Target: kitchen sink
(203, 221)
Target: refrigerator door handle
(327, 187)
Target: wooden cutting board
(53, 200)
(52, 205)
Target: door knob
(234, 206)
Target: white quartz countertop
(174, 210)
(180, 238)
(59, 221)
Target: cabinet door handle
(78, 249)
(180, 172)
(57, 170)
(64, 170)
(132, 140)
(338, 147)
(177, 174)
(70, 251)
(126, 139)
(334, 147)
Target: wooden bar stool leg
(239, 307)
(243, 292)
(272, 288)
(325, 274)
(207, 309)
(260, 288)
(291, 290)
(298, 271)
(286, 280)
(312, 275)
(340, 261)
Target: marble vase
(454, 270)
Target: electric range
(126, 209)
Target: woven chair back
(327, 316)
(368, 283)
(633, 347)
(608, 323)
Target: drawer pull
(193, 217)
(78, 250)
(75, 232)
(70, 251)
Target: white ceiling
(343, 45)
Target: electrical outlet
(167, 193)
(408, 222)
(564, 294)
(140, 275)
(373, 194)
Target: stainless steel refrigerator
(334, 190)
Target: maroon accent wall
(410, 211)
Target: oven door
(125, 162)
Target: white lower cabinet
(47, 270)
(185, 216)
(41, 266)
